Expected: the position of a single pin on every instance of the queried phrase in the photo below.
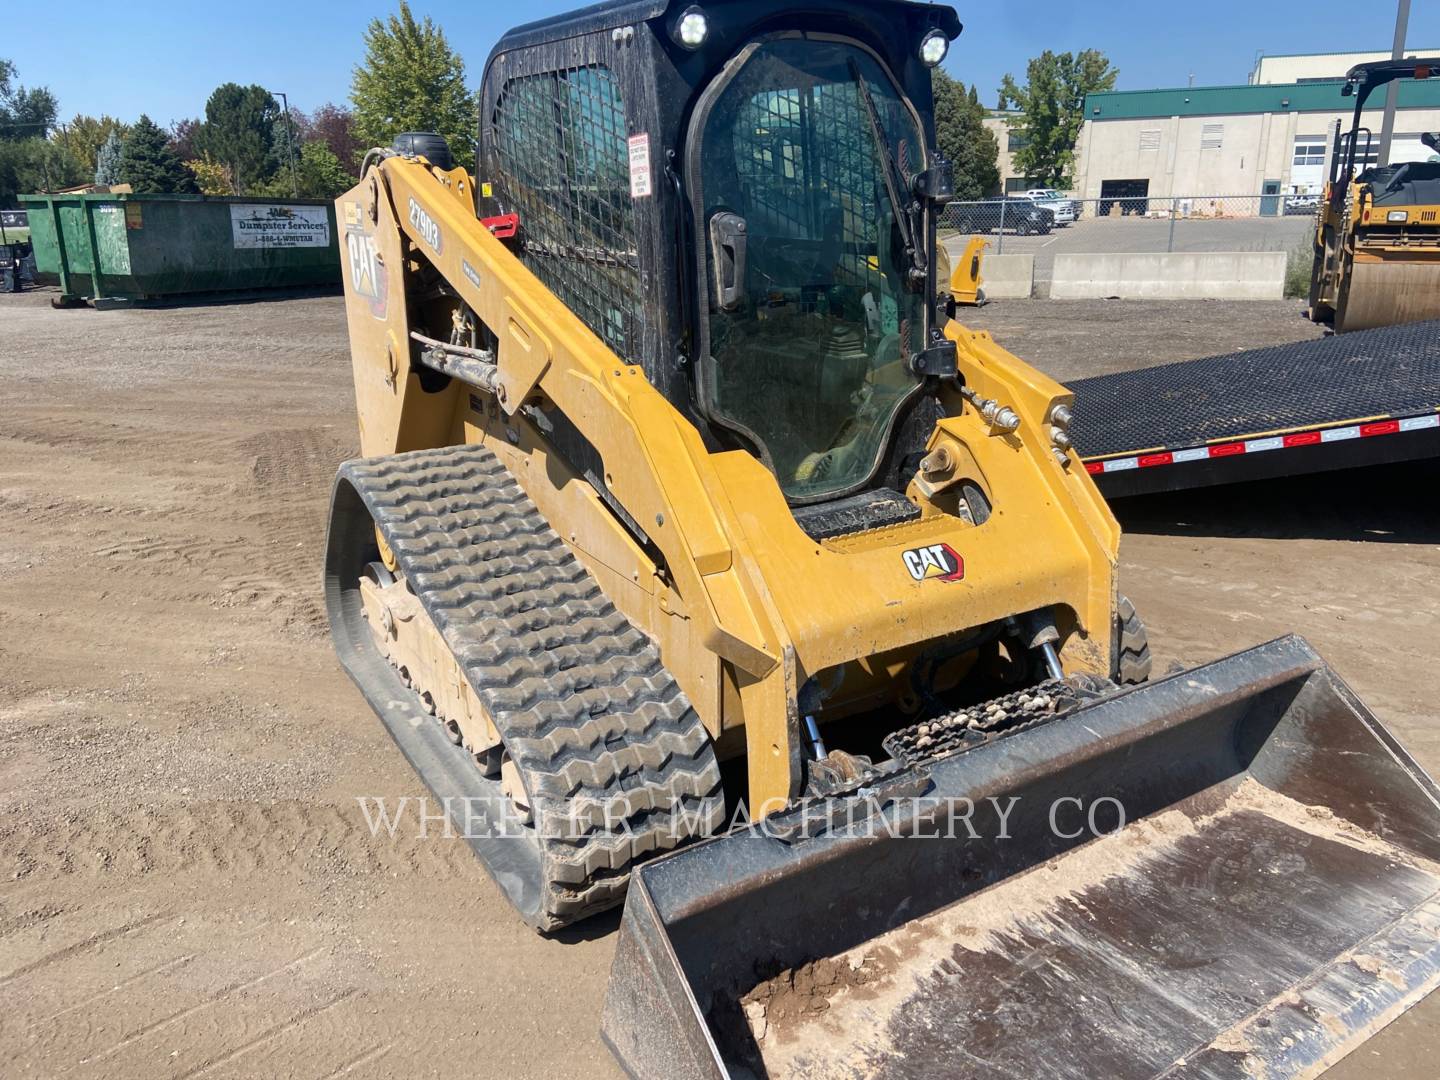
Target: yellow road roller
(1377, 237)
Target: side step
(617, 762)
(1269, 898)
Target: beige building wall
(1290, 69)
(996, 124)
(1223, 155)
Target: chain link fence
(1133, 224)
(1261, 222)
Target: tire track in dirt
(133, 1039)
(304, 1017)
(91, 942)
(86, 1002)
(231, 840)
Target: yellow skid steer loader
(689, 525)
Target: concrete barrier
(1007, 277)
(1184, 275)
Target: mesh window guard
(776, 134)
(560, 148)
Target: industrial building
(998, 122)
(1316, 67)
(1269, 136)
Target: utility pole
(1392, 92)
(290, 142)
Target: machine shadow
(1377, 504)
(604, 925)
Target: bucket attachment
(1265, 896)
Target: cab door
(807, 317)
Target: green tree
(35, 165)
(1052, 111)
(411, 80)
(963, 138)
(83, 137)
(148, 164)
(318, 175)
(24, 113)
(322, 176)
(29, 162)
(240, 133)
(107, 160)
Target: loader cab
(740, 196)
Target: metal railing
(1138, 223)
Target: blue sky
(165, 58)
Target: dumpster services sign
(278, 226)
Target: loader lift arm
(544, 353)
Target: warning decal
(639, 165)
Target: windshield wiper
(890, 169)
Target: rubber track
(601, 732)
(1134, 662)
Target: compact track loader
(1377, 238)
(690, 524)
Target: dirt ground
(187, 885)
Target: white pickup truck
(1065, 210)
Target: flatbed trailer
(1365, 398)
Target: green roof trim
(1237, 100)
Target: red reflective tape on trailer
(1273, 442)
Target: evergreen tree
(963, 138)
(241, 132)
(148, 164)
(411, 80)
(107, 160)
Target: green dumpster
(125, 248)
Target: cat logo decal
(939, 562)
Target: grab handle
(727, 239)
